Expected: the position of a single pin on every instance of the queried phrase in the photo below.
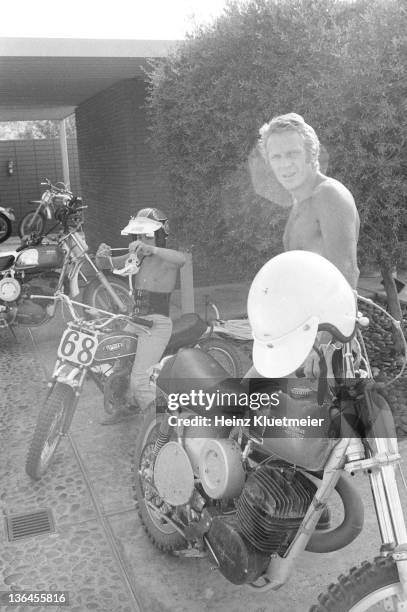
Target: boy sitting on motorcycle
(153, 284)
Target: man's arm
(339, 224)
(170, 256)
(176, 258)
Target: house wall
(119, 174)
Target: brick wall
(32, 161)
(117, 167)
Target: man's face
(288, 159)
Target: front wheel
(53, 422)
(5, 227)
(370, 587)
(97, 296)
(226, 354)
(31, 222)
(151, 507)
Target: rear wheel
(31, 222)
(151, 507)
(226, 354)
(5, 227)
(97, 296)
(53, 422)
(370, 587)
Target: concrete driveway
(99, 551)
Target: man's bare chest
(155, 275)
(302, 229)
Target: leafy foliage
(341, 65)
(21, 130)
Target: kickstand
(13, 333)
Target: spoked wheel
(97, 296)
(372, 587)
(5, 227)
(226, 354)
(31, 223)
(53, 421)
(151, 507)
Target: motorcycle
(44, 265)
(251, 501)
(6, 217)
(52, 198)
(99, 349)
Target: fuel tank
(41, 257)
(297, 429)
(115, 345)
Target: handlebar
(55, 188)
(140, 322)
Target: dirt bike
(249, 491)
(215, 340)
(96, 349)
(6, 217)
(52, 198)
(44, 265)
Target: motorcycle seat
(186, 331)
(191, 369)
(6, 261)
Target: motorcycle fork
(101, 277)
(280, 568)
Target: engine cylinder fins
(272, 506)
(173, 475)
(221, 468)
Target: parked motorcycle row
(249, 501)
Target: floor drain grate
(29, 524)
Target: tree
(339, 64)
(20, 130)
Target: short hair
(296, 123)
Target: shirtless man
(323, 218)
(153, 285)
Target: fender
(67, 374)
(73, 277)
(8, 212)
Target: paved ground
(99, 551)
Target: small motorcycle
(249, 492)
(45, 266)
(52, 198)
(94, 348)
(7, 216)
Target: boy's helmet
(292, 297)
(148, 221)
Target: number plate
(77, 347)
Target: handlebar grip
(140, 321)
(20, 248)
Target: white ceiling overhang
(48, 78)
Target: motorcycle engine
(269, 512)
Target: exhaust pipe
(349, 529)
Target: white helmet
(292, 297)
(141, 225)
